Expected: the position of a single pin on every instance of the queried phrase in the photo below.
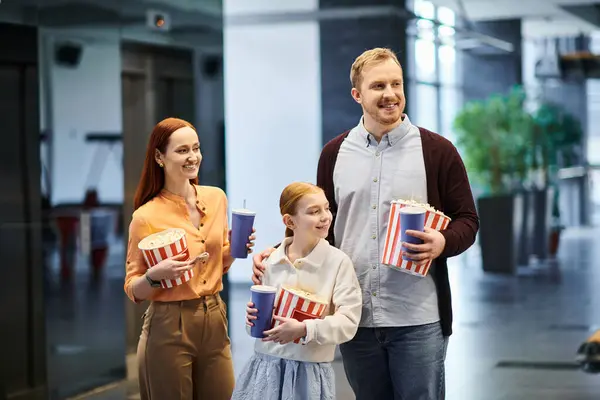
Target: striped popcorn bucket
(162, 245)
(392, 253)
(298, 304)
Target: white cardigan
(328, 273)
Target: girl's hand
(288, 331)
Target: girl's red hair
(152, 179)
(291, 196)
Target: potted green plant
(495, 139)
(556, 135)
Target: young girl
(280, 368)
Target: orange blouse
(168, 210)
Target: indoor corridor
(515, 337)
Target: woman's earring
(160, 164)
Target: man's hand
(258, 267)
(433, 245)
(288, 331)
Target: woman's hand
(250, 311)
(251, 240)
(171, 268)
(286, 332)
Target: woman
(184, 350)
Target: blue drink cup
(411, 218)
(242, 221)
(263, 298)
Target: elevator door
(22, 369)
(157, 83)
(135, 130)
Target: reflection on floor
(515, 337)
(85, 322)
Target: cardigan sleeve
(325, 170)
(459, 205)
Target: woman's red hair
(152, 179)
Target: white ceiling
(541, 17)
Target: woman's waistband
(207, 300)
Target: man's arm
(457, 200)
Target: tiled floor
(514, 338)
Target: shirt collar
(181, 201)
(392, 137)
(314, 259)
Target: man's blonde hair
(369, 57)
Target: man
(400, 347)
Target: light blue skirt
(271, 378)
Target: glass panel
(425, 60)
(594, 178)
(446, 31)
(425, 29)
(593, 121)
(424, 9)
(425, 108)
(450, 104)
(411, 99)
(410, 66)
(447, 66)
(446, 16)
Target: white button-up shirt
(329, 274)
(367, 176)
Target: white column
(272, 110)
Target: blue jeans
(404, 363)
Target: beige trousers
(184, 351)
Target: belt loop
(218, 299)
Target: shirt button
(374, 294)
(374, 207)
(373, 236)
(201, 225)
(197, 202)
(204, 281)
(377, 154)
(203, 208)
(374, 266)
(202, 240)
(375, 179)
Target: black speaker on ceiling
(68, 54)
